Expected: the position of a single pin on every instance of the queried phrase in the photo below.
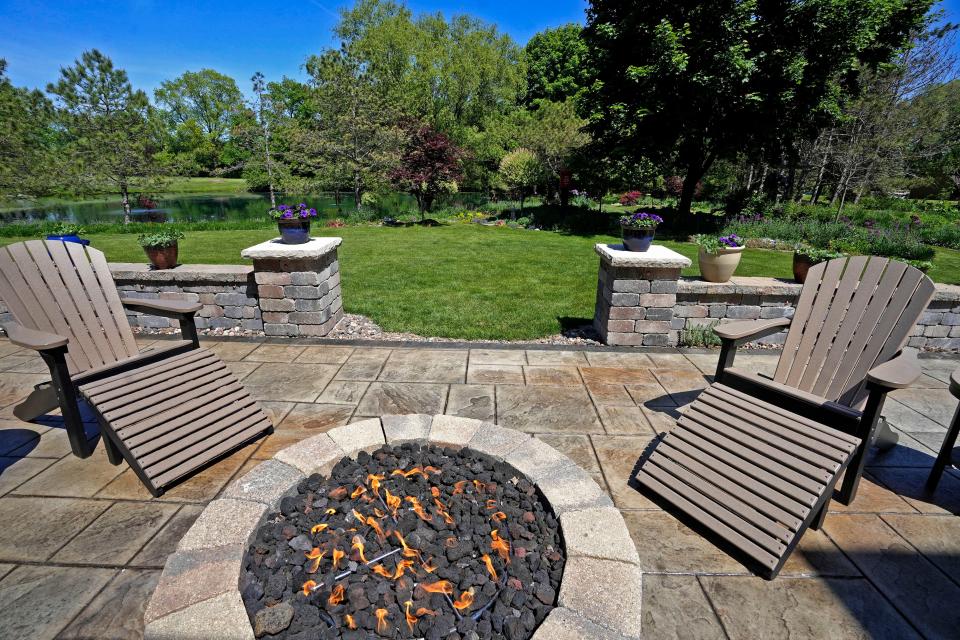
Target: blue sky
(159, 39)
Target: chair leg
(945, 457)
(818, 521)
(67, 397)
(866, 432)
(113, 453)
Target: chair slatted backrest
(66, 288)
(853, 314)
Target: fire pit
(406, 527)
(411, 541)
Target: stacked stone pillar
(298, 286)
(636, 295)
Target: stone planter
(637, 239)
(296, 231)
(719, 266)
(162, 257)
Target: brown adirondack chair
(754, 460)
(945, 457)
(168, 411)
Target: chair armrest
(32, 338)
(955, 383)
(162, 308)
(750, 329)
(897, 373)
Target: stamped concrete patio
(82, 543)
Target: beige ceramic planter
(719, 266)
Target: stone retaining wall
(228, 293)
(702, 303)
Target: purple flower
(313, 212)
(287, 214)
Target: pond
(199, 208)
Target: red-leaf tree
(429, 166)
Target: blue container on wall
(70, 238)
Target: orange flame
(358, 545)
(411, 619)
(402, 566)
(412, 472)
(308, 587)
(442, 510)
(491, 504)
(408, 552)
(318, 528)
(487, 561)
(378, 513)
(440, 586)
(502, 547)
(432, 470)
(315, 556)
(339, 493)
(418, 509)
(330, 511)
(458, 486)
(393, 502)
(499, 516)
(435, 492)
(382, 625)
(465, 600)
(479, 486)
(380, 571)
(337, 557)
(360, 490)
(374, 482)
(428, 567)
(423, 611)
(349, 620)
(451, 542)
(336, 596)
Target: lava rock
(272, 620)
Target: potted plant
(293, 222)
(719, 256)
(161, 247)
(805, 256)
(68, 232)
(638, 230)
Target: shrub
(673, 185)
(66, 229)
(713, 244)
(630, 198)
(700, 336)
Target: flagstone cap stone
(657, 257)
(276, 250)
(600, 591)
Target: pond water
(198, 208)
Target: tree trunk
(356, 191)
(125, 199)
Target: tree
(935, 162)
(111, 134)
(459, 75)
(521, 171)
(204, 102)
(556, 64)
(354, 135)
(429, 166)
(554, 132)
(261, 107)
(27, 141)
(687, 83)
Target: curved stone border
(601, 587)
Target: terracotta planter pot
(719, 266)
(801, 264)
(162, 257)
(295, 231)
(637, 239)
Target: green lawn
(463, 281)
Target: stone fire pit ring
(198, 597)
